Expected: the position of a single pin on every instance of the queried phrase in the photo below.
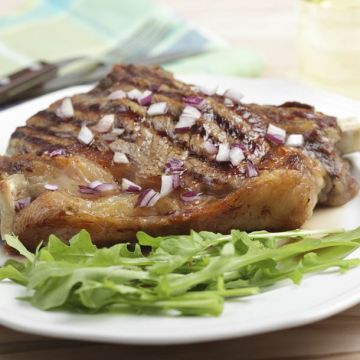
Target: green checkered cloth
(52, 30)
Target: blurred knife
(42, 77)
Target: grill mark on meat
(282, 196)
(89, 106)
(46, 131)
(32, 139)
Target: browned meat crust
(290, 180)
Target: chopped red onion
(210, 147)
(176, 181)
(234, 95)
(236, 156)
(145, 98)
(105, 123)
(65, 110)
(240, 145)
(134, 94)
(295, 140)
(203, 106)
(191, 111)
(207, 90)
(147, 198)
(228, 102)
(113, 135)
(184, 124)
(85, 135)
(187, 118)
(120, 158)
(276, 135)
(105, 187)
(117, 131)
(51, 187)
(166, 185)
(159, 108)
(116, 95)
(96, 187)
(56, 152)
(129, 186)
(223, 153)
(251, 169)
(193, 100)
(174, 166)
(189, 196)
(169, 183)
(86, 190)
(94, 184)
(22, 203)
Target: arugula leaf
(187, 274)
(14, 242)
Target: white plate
(285, 306)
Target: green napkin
(52, 30)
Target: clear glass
(329, 44)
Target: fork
(135, 46)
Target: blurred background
(314, 41)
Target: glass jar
(329, 44)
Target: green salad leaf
(183, 274)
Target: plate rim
(314, 313)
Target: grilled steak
(178, 159)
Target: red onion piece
(236, 156)
(96, 187)
(184, 125)
(275, 134)
(169, 183)
(190, 111)
(51, 187)
(105, 124)
(105, 187)
(118, 132)
(94, 184)
(234, 95)
(129, 186)
(86, 190)
(134, 94)
(251, 169)
(174, 166)
(295, 140)
(166, 185)
(240, 145)
(56, 152)
(22, 203)
(147, 198)
(228, 102)
(223, 153)
(207, 90)
(65, 110)
(145, 98)
(116, 95)
(113, 135)
(193, 100)
(175, 181)
(85, 135)
(159, 108)
(189, 196)
(210, 147)
(120, 158)
(187, 118)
